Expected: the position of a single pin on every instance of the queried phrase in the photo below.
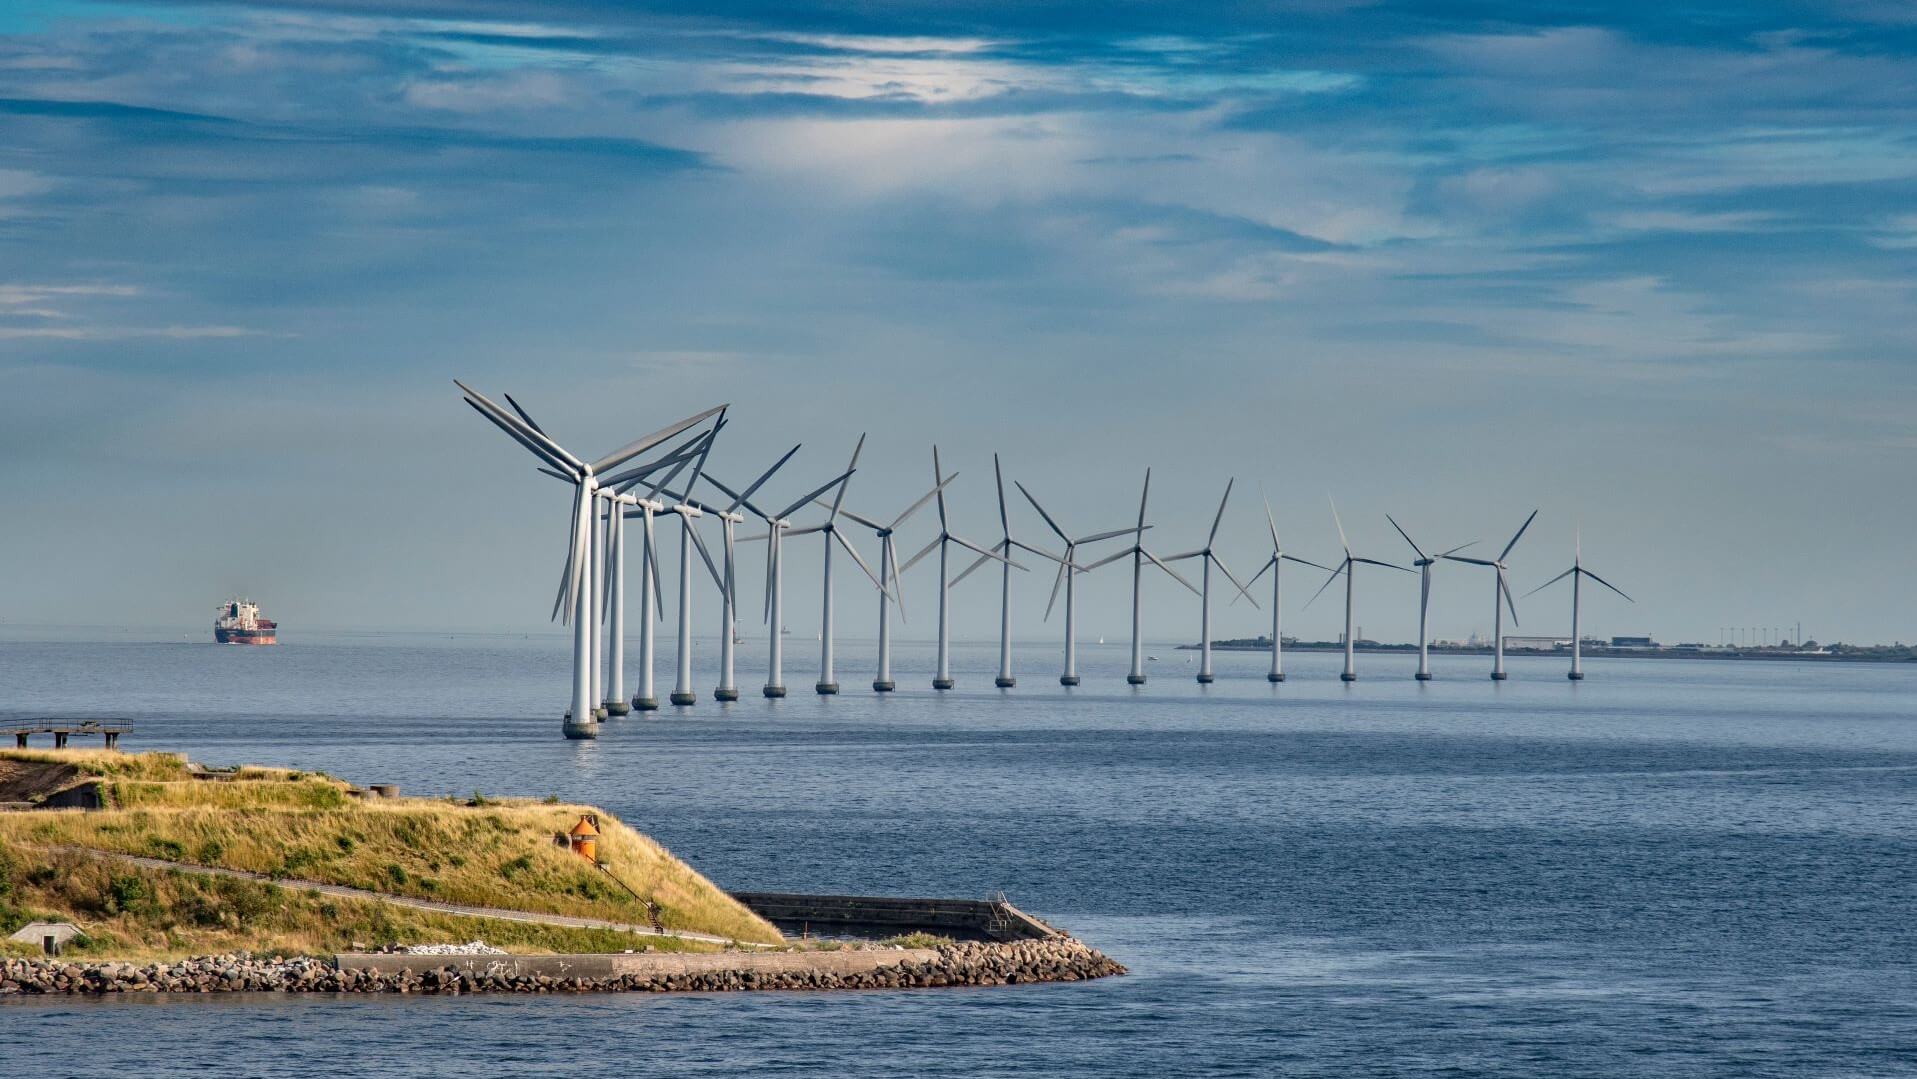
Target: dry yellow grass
(493, 855)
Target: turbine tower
(1576, 573)
(1276, 565)
(942, 680)
(1503, 592)
(729, 516)
(1139, 556)
(576, 598)
(1004, 548)
(889, 578)
(1210, 557)
(683, 695)
(777, 525)
(828, 683)
(1068, 569)
(1423, 562)
(1348, 568)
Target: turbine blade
(1342, 541)
(1520, 535)
(1606, 584)
(718, 579)
(898, 582)
(853, 551)
(1097, 536)
(1108, 559)
(523, 414)
(1386, 565)
(1004, 521)
(920, 504)
(1273, 524)
(967, 571)
(740, 498)
(1142, 497)
(790, 532)
(1335, 574)
(1243, 590)
(1473, 561)
(1505, 591)
(717, 426)
(512, 424)
(540, 451)
(1256, 577)
(962, 542)
(938, 477)
(1041, 512)
(1220, 517)
(1304, 562)
(850, 516)
(1057, 579)
(633, 449)
(1458, 548)
(1183, 556)
(1407, 536)
(1168, 569)
(1039, 551)
(823, 488)
(652, 574)
(839, 499)
(923, 551)
(1551, 582)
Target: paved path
(344, 892)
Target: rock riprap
(1059, 960)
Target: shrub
(169, 849)
(128, 893)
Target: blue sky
(1648, 267)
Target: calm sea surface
(1672, 869)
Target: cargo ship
(239, 622)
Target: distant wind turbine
(1276, 565)
(1140, 556)
(1347, 568)
(942, 679)
(1424, 563)
(828, 683)
(1003, 550)
(1576, 573)
(777, 525)
(889, 578)
(1068, 571)
(1210, 558)
(1503, 591)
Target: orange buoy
(585, 838)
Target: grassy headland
(306, 826)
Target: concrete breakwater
(1060, 959)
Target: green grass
(292, 825)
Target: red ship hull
(266, 634)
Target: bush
(169, 849)
(127, 892)
(212, 851)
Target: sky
(1647, 268)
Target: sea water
(1674, 868)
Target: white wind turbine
(580, 721)
(1347, 567)
(1424, 563)
(1502, 592)
(828, 683)
(1577, 572)
(682, 692)
(1210, 557)
(1003, 549)
(728, 579)
(943, 678)
(889, 578)
(1068, 570)
(1276, 565)
(652, 601)
(1139, 556)
(777, 525)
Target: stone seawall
(1055, 960)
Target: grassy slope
(290, 824)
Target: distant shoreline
(1589, 652)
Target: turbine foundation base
(1576, 676)
(1067, 679)
(645, 704)
(1134, 679)
(1275, 676)
(1347, 676)
(725, 693)
(1004, 682)
(1206, 679)
(884, 685)
(774, 691)
(682, 700)
(1423, 676)
(826, 689)
(943, 683)
(617, 708)
(579, 731)
(1499, 676)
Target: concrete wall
(644, 964)
(887, 916)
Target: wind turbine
(585, 476)
(1211, 558)
(1347, 567)
(889, 576)
(727, 689)
(1424, 563)
(1004, 548)
(828, 684)
(1139, 556)
(1068, 569)
(1275, 565)
(1503, 592)
(943, 678)
(777, 525)
(688, 511)
(1576, 572)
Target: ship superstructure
(239, 622)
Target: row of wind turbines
(647, 478)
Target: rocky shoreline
(1058, 960)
